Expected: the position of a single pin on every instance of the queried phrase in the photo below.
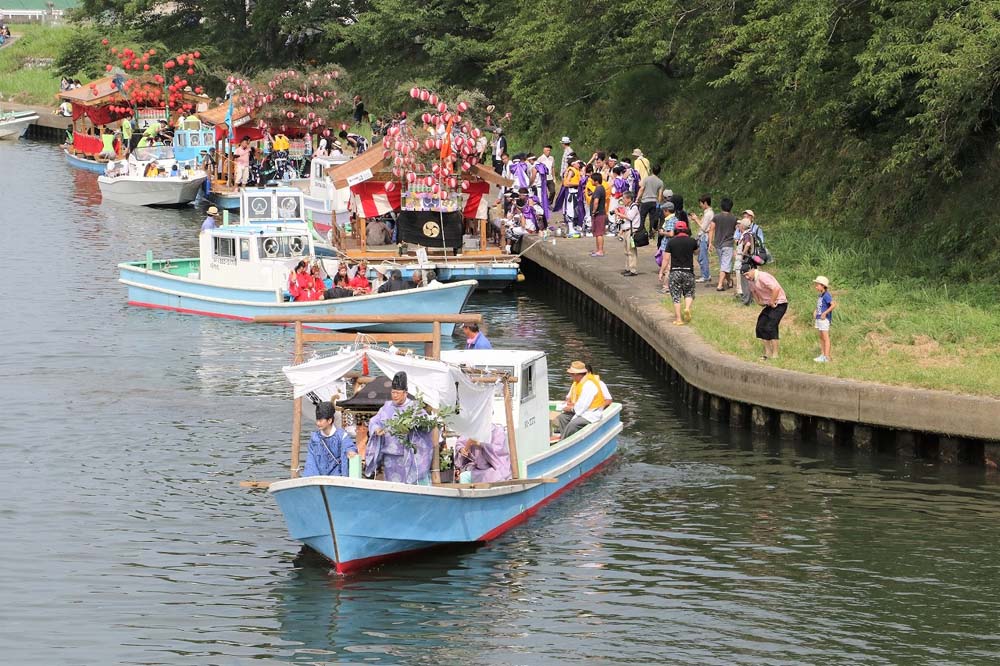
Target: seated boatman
(406, 460)
(330, 447)
(584, 402)
(394, 283)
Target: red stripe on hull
(364, 563)
(188, 311)
(217, 315)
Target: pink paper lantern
(390, 186)
(432, 100)
(424, 95)
(428, 181)
(442, 107)
(462, 107)
(465, 185)
(414, 93)
(411, 177)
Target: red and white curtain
(369, 199)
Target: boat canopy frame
(432, 350)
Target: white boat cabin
(529, 394)
(252, 257)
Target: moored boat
(14, 124)
(242, 272)
(152, 177)
(358, 523)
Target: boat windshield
(150, 153)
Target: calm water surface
(127, 540)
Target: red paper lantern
(146, 67)
(424, 95)
(190, 70)
(107, 68)
(414, 92)
(390, 186)
(432, 100)
(104, 41)
(442, 107)
(462, 107)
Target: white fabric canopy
(322, 375)
(439, 384)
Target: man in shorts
(720, 232)
(766, 290)
(679, 262)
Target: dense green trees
(826, 104)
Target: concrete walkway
(636, 301)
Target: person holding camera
(629, 221)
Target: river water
(127, 540)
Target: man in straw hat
(584, 402)
(641, 163)
(211, 220)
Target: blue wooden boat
(235, 279)
(358, 523)
(82, 162)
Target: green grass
(32, 85)
(890, 325)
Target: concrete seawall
(925, 422)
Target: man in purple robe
(488, 461)
(539, 188)
(400, 462)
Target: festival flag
(229, 119)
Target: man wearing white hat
(567, 151)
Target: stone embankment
(868, 416)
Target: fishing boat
(13, 124)
(152, 177)
(242, 271)
(357, 523)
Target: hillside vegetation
(864, 132)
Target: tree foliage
(839, 96)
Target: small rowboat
(14, 124)
(358, 523)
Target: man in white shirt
(703, 222)
(584, 402)
(630, 223)
(549, 161)
(567, 151)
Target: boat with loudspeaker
(243, 271)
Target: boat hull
(359, 523)
(84, 163)
(138, 191)
(14, 129)
(158, 289)
(224, 200)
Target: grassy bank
(22, 78)
(888, 327)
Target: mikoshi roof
(97, 92)
(370, 396)
(217, 115)
(373, 159)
